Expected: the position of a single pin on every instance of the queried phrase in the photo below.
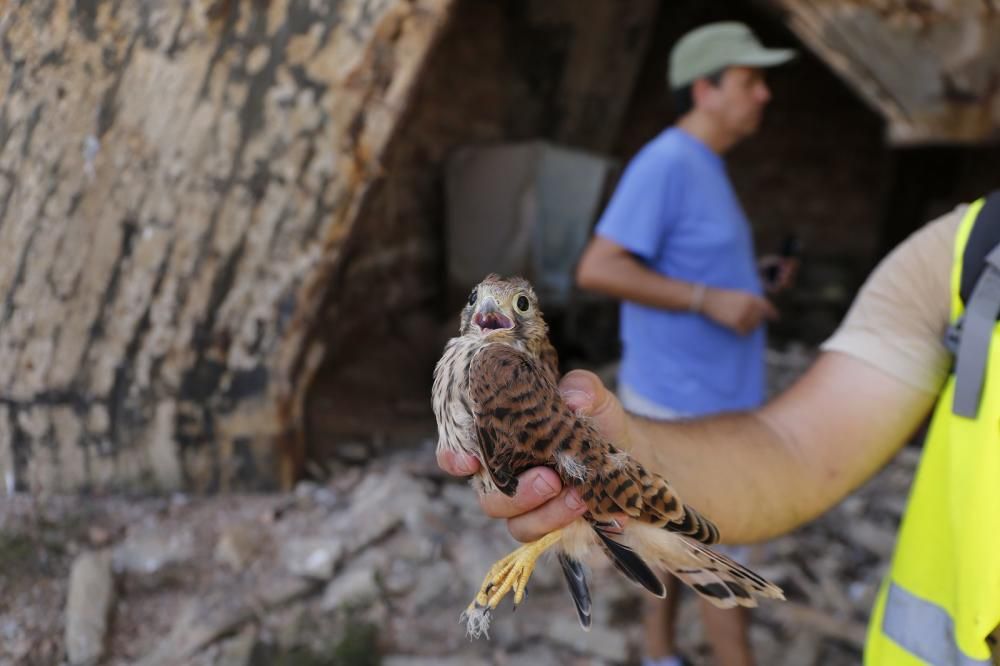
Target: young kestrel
(496, 398)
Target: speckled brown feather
(523, 422)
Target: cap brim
(765, 58)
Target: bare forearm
(764, 473)
(623, 276)
(753, 483)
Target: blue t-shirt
(676, 211)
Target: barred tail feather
(576, 581)
(723, 581)
(630, 564)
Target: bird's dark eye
(472, 297)
(522, 304)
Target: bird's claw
(477, 620)
(509, 574)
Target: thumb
(457, 464)
(586, 395)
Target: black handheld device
(790, 247)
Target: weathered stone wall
(176, 182)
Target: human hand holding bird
(496, 399)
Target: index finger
(457, 464)
(534, 487)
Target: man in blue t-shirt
(675, 245)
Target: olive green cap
(713, 47)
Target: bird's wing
(522, 421)
(512, 401)
(576, 581)
(720, 580)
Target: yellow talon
(510, 573)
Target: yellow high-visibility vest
(941, 598)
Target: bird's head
(504, 310)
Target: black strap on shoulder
(980, 291)
(985, 236)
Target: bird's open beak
(489, 318)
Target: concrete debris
(237, 546)
(149, 550)
(313, 558)
(88, 606)
(381, 559)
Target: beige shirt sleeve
(898, 320)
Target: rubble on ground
(375, 566)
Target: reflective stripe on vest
(923, 629)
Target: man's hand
(783, 269)
(541, 504)
(739, 311)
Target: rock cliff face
(929, 69)
(176, 183)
